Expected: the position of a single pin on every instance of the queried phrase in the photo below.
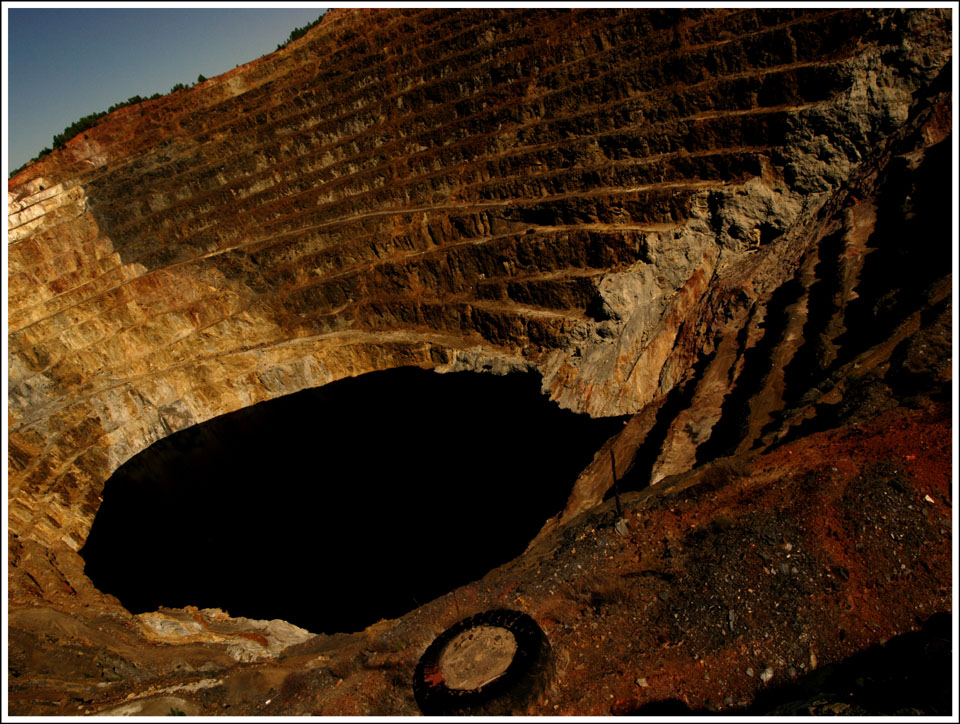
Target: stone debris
(245, 639)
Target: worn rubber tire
(506, 692)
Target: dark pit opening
(335, 507)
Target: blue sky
(66, 63)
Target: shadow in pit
(909, 675)
(341, 505)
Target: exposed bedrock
(731, 225)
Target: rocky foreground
(731, 225)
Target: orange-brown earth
(732, 225)
(820, 549)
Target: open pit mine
(495, 361)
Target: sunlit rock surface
(733, 225)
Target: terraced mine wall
(723, 223)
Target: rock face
(732, 225)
